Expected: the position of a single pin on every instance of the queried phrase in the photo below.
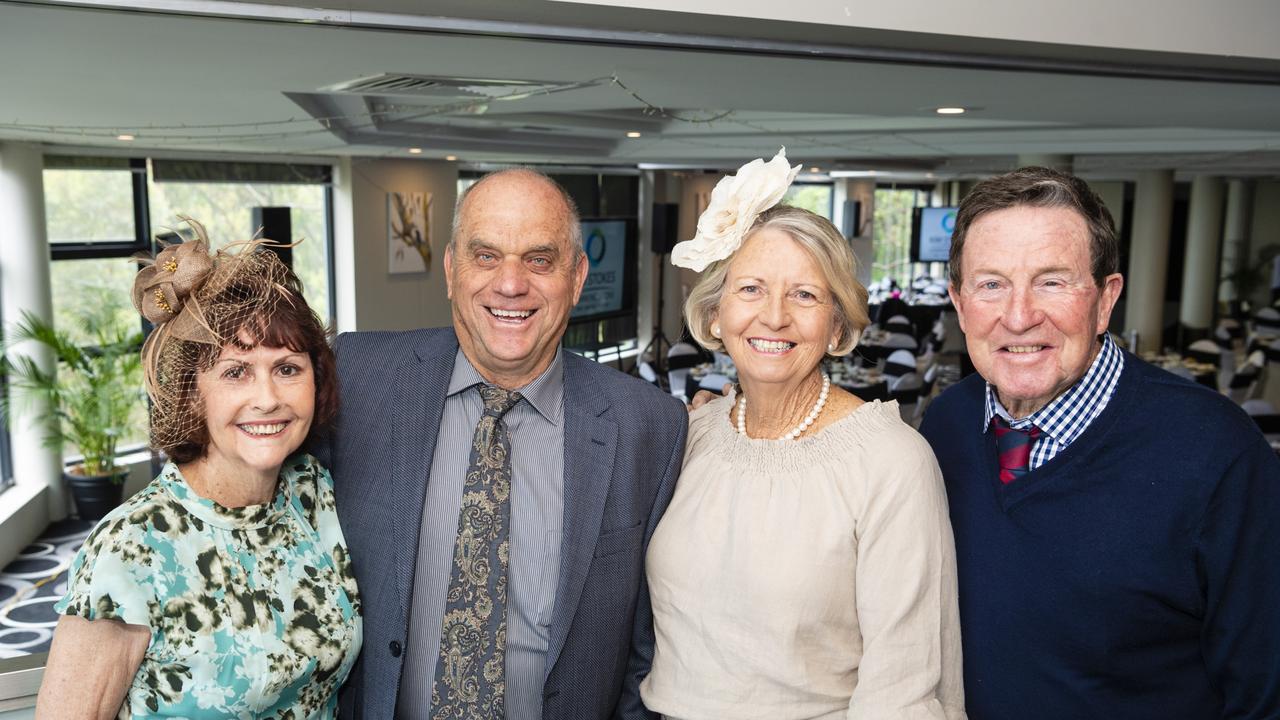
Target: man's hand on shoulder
(702, 397)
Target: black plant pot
(95, 495)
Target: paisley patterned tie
(470, 679)
(1014, 448)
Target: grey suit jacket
(624, 443)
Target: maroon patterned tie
(1014, 448)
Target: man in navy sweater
(1117, 528)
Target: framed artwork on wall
(408, 232)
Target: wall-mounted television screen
(611, 269)
(931, 229)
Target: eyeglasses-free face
(1028, 304)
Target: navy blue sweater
(1135, 575)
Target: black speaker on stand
(666, 218)
(275, 223)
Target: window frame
(107, 249)
(142, 242)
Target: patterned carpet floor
(31, 584)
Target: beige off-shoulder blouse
(809, 578)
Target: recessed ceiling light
(854, 173)
(950, 111)
(633, 134)
(415, 151)
(815, 169)
(124, 136)
(450, 158)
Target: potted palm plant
(90, 400)
(1248, 277)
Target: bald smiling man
(498, 493)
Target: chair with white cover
(714, 382)
(952, 336)
(907, 390)
(1227, 352)
(1267, 322)
(902, 341)
(1245, 381)
(1205, 351)
(1269, 385)
(898, 364)
(680, 360)
(932, 343)
(900, 324)
(938, 333)
(1214, 352)
(926, 392)
(647, 373)
(1258, 406)
(1243, 384)
(1228, 331)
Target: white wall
(38, 495)
(369, 298)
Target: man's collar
(1048, 418)
(545, 393)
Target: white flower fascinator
(735, 203)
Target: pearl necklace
(804, 425)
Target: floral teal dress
(253, 611)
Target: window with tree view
(893, 209)
(815, 198)
(226, 211)
(91, 221)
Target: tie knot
(1003, 428)
(1013, 446)
(497, 401)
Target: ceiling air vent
(424, 85)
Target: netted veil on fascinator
(200, 302)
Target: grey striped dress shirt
(536, 426)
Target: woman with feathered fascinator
(223, 588)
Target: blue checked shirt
(1066, 416)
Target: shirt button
(396, 648)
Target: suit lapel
(418, 413)
(589, 442)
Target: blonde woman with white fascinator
(805, 567)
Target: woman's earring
(831, 347)
(715, 330)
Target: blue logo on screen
(595, 247)
(949, 222)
